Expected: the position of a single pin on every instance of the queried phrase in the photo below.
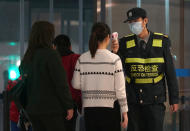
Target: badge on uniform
(130, 14)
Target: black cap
(135, 13)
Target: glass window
(65, 19)
(9, 41)
(116, 14)
(14, 38)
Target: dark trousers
(102, 118)
(146, 117)
(47, 123)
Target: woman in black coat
(48, 94)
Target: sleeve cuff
(123, 104)
(176, 101)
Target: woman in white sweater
(99, 75)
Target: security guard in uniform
(148, 66)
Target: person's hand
(125, 120)
(115, 46)
(69, 114)
(174, 107)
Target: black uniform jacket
(147, 71)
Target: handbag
(18, 94)
(24, 122)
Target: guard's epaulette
(160, 34)
(156, 33)
(166, 36)
(129, 35)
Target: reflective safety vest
(144, 67)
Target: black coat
(47, 90)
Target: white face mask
(136, 27)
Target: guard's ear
(146, 20)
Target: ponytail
(99, 32)
(93, 44)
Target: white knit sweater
(101, 80)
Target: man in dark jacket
(147, 61)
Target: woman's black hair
(99, 32)
(62, 43)
(41, 36)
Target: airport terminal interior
(75, 19)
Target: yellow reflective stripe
(128, 79)
(149, 80)
(130, 43)
(166, 36)
(130, 35)
(144, 81)
(144, 61)
(157, 43)
(159, 78)
(158, 33)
